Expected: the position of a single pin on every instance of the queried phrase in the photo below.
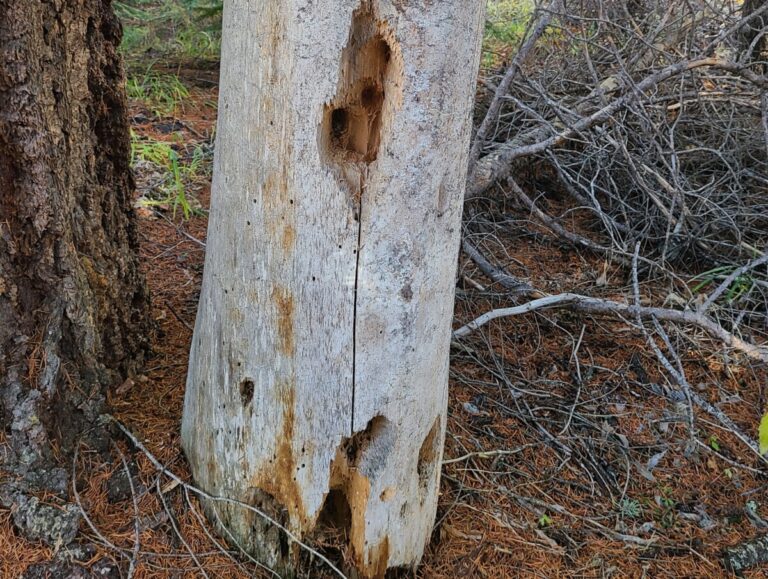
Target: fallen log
(746, 555)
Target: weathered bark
(317, 388)
(72, 300)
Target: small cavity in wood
(352, 123)
(428, 456)
(269, 542)
(442, 200)
(246, 391)
(342, 517)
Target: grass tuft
(163, 94)
(177, 172)
(179, 29)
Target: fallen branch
(586, 304)
(177, 531)
(136, 527)
(679, 372)
(496, 274)
(730, 279)
(552, 224)
(727, 423)
(502, 89)
(160, 467)
(615, 254)
(745, 555)
(498, 164)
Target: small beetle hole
(246, 392)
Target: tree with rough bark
(317, 387)
(73, 304)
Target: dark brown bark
(72, 299)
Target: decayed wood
(317, 387)
(745, 555)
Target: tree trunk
(317, 388)
(72, 300)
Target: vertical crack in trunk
(353, 124)
(358, 251)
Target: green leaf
(763, 434)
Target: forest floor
(563, 456)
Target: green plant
(763, 434)
(134, 37)
(177, 173)
(666, 513)
(545, 520)
(739, 287)
(211, 10)
(155, 152)
(714, 443)
(196, 43)
(506, 20)
(505, 25)
(175, 190)
(201, 161)
(182, 173)
(630, 508)
(162, 93)
(189, 29)
(667, 500)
